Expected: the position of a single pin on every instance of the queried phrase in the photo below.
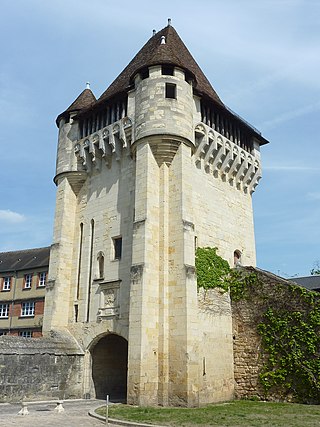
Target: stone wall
(247, 313)
(40, 368)
(216, 381)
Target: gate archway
(109, 367)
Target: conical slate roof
(153, 52)
(85, 100)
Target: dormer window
(144, 74)
(171, 91)
(167, 70)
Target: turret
(66, 161)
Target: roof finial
(87, 85)
(169, 22)
(163, 40)
(154, 32)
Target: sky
(262, 58)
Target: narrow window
(90, 270)
(195, 242)
(42, 279)
(27, 309)
(6, 283)
(101, 265)
(81, 129)
(237, 258)
(144, 74)
(4, 310)
(117, 246)
(76, 312)
(79, 261)
(167, 70)
(171, 91)
(27, 281)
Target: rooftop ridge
(24, 250)
(174, 52)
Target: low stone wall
(249, 358)
(40, 368)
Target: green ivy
(291, 340)
(214, 271)
(211, 269)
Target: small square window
(167, 70)
(4, 310)
(144, 73)
(27, 281)
(171, 91)
(3, 333)
(42, 279)
(117, 246)
(6, 283)
(27, 309)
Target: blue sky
(262, 57)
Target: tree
(316, 268)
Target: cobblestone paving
(43, 415)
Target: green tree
(316, 269)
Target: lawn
(230, 414)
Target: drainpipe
(13, 299)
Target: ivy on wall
(289, 326)
(291, 339)
(211, 269)
(214, 272)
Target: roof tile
(153, 52)
(24, 259)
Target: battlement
(223, 158)
(100, 146)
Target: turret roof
(85, 100)
(174, 52)
(154, 52)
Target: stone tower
(154, 167)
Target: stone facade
(152, 169)
(40, 368)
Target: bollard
(59, 408)
(107, 411)
(24, 409)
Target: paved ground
(43, 415)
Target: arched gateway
(109, 367)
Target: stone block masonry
(40, 368)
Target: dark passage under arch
(109, 367)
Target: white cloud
(313, 196)
(11, 217)
(287, 168)
(289, 115)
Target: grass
(231, 414)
